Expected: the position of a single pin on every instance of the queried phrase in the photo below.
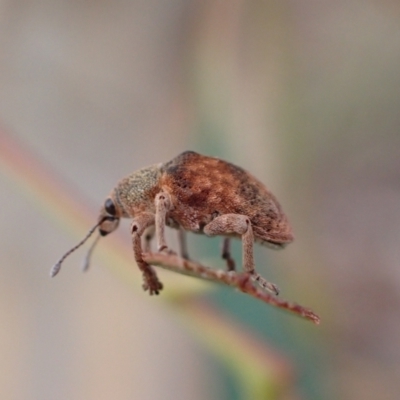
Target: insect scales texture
(194, 193)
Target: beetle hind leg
(226, 254)
(240, 225)
(182, 242)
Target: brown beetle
(199, 194)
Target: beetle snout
(108, 225)
(109, 217)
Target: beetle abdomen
(204, 187)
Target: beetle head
(107, 222)
(110, 215)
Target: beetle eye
(109, 207)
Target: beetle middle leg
(147, 238)
(241, 225)
(163, 205)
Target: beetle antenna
(57, 266)
(86, 260)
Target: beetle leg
(163, 205)
(146, 239)
(241, 225)
(182, 242)
(139, 225)
(226, 254)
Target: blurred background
(305, 95)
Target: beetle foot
(271, 287)
(168, 251)
(152, 284)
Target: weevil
(194, 193)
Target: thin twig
(241, 281)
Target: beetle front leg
(240, 224)
(163, 205)
(138, 227)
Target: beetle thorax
(137, 191)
